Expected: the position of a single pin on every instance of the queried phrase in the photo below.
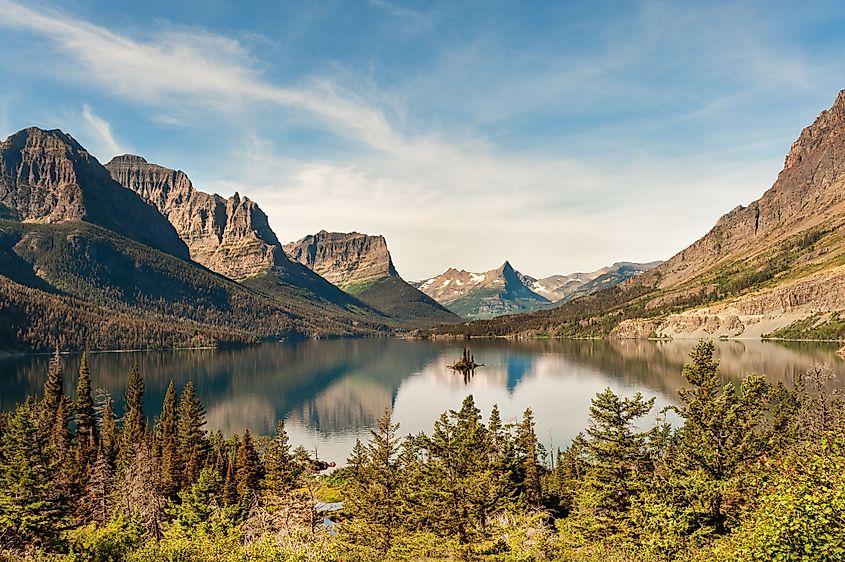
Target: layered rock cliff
(361, 264)
(230, 236)
(348, 260)
(48, 177)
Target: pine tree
(199, 504)
(30, 513)
(191, 444)
(527, 441)
(166, 446)
(86, 422)
(140, 495)
(248, 473)
(230, 484)
(60, 447)
(722, 434)
(108, 433)
(618, 457)
(280, 470)
(97, 500)
(457, 486)
(54, 387)
(134, 423)
(373, 495)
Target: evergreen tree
(722, 435)
(54, 388)
(200, 503)
(97, 500)
(166, 445)
(248, 473)
(373, 495)
(60, 447)
(618, 456)
(134, 423)
(190, 437)
(527, 440)
(230, 484)
(280, 470)
(108, 433)
(30, 513)
(457, 482)
(86, 422)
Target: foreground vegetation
(749, 472)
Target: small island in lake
(466, 364)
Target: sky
(561, 136)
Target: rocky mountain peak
(47, 176)
(344, 258)
(826, 129)
(230, 236)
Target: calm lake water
(331, 392)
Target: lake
(330, 392)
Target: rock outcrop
(361, 265)
(348, 260)
(48, 177)
(230, 236)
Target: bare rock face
(46, 176)
(345, 259)
(808, 191)
(230, 236)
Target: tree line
(745, 471)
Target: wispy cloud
(197, 67)
(101, 130)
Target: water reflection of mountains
(339, 386)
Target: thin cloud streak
(101, 129)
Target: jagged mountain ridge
(772, 268)
(361, 265)
(85, 262)
(507, 291)
(48, 177)
(563, 288)
(483, 295)
(231, 236)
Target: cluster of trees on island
(749, 471)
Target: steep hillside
(47, 177)
(230, 236)
(773, 268)
(483, 295)
(361, 265)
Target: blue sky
(561, 136)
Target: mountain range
(132, 255)
(506, 291)
(774, 268)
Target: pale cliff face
(230, 236)
(345, 259)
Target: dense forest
(747, 471)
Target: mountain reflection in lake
(331, 392)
